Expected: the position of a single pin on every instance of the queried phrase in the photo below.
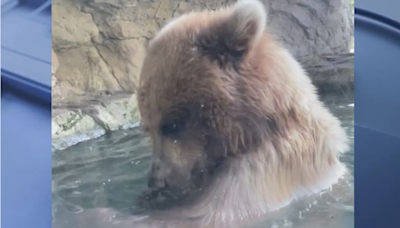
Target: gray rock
(72, 127)
(92, 117)
(100, 44)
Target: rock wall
(100, 44)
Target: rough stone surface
(71, 127)
(56, 92)
(331, 73)
(100, 44)
(312, 26)
(91, 117)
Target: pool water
(111, 171)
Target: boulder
(92, 117)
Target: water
(111, 172)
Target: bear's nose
(156, 183)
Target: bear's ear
(248, 21)
(231, 37)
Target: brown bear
(237, 127)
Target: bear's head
(198, 94)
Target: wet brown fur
(248, 116)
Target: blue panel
(6, 5)
(386, 8)
(26, 162)
(377, 75)
(26, 114)
(377, 179)
(24, 37)
(377, 113)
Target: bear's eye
(172, 128)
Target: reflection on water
(111, 172)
